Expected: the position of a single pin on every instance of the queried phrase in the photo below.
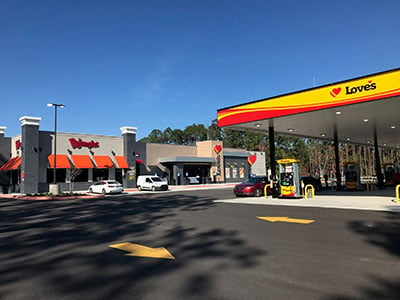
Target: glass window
(241, 172)
(61, 175)
(158, 179)
(234, 173)
(111, 182)
(255, 179)
(100, 174)
(118, 175)
(228, 172)
(83, 176)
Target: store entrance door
(196, 174)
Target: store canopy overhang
(356, 107)
(121, 161)
(103, 161)
(186, 159)
(236, 154)
(62, 161)
(12, 164)
(82, 161)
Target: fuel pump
(389, 174)
(289, 178)
(352, 175)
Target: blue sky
(158, 63)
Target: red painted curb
(50, 197)
(171, 188)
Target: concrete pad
(378, 203)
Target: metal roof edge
(186, 159)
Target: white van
(152, 183)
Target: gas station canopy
(354, 107)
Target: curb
(20, 197)
(129, 190)
(173, 188)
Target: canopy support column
(272, 160)
(378, 167)
(337, 158)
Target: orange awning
(62, 161)
(121, 161)
(82, 161)
(12, 164)
(103, 161)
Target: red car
(254, 186)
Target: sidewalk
(383, 200)
(86, 195)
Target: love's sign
(217, 149)
(252, 159)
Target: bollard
(397, 193)
(265, 190)
(306, 191)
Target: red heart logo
(217, 149)
(335, 91)
(252, 159)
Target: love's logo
(252, 159)
(334, 92)
(217, 149)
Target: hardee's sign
(18, 144)
(369, 88)
(78, 144)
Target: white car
(106, 187)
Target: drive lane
(60, 249)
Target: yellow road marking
(143, 251)
(287, 220)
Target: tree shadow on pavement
(59, 249)
(378, 288)
(384, 234)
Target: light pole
(55, 105)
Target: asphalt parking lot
(62, 249)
